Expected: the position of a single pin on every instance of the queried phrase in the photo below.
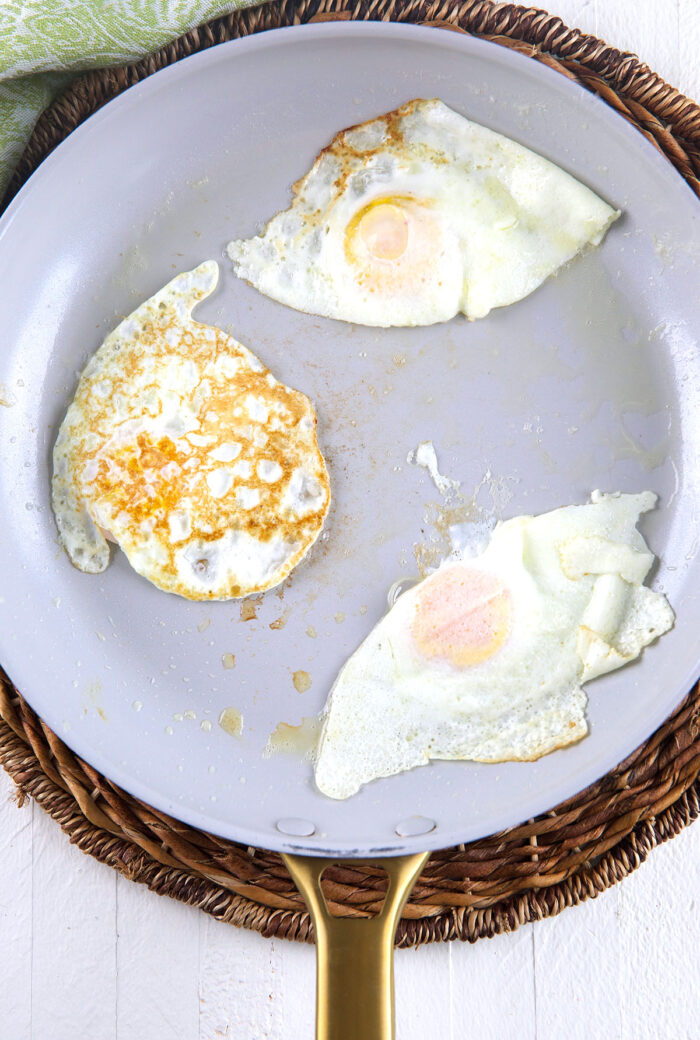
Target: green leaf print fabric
(44, 43)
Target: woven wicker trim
(528, 872)
(660, 112)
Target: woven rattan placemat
(528, 872)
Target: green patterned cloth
(43, 43)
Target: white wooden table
(87, 954)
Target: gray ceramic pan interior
(589, 383)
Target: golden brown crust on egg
(349, 158)
(223, 459)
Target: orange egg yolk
(462, 615)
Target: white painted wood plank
(74, 943)
(493, 987)
(659, 942)
(240, 984)
(15, 909)
(423, 992)
(689, 48)
(157, 965)
(576, 971)
(297, 966)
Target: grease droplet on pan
(301, 680)
(231, 721)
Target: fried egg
(184, 449)
(485, 658)
(416, 216)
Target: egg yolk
(463, 615)
(395, 247)
(384, 230)
(380, 231)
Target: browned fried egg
(184, 449)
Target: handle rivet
(296, 828)
(415, 826)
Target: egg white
(573, 579)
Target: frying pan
(590, 382)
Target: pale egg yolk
(384, 230)
(462, 615)
(384, 237)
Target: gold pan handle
(354, 956)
